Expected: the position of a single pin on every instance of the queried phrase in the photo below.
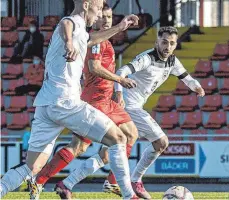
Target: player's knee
(161, 144)
(132, 135)
(120, 138)
(104, 155)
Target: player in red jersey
(99, 72)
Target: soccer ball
(178, 193)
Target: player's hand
(119, 99)
(128, 83)
(128, 21)
(71, 52)
(200, 91)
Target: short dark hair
(167, 29)
(106, 6)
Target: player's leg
(43, 135)
(149, 129)
(91, 123)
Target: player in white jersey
(149, 70)
(58, 104)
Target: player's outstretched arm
(96, 68)
(66, 30)
(97, 37)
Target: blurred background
(198, 128)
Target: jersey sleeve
(95, 52)
(141, 62)
(178, 68)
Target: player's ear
(86, 5)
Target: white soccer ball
(178, 193)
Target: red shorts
(115, 112)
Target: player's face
(106, 21)
(94, 11)
(166, 44)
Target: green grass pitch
(100, 195)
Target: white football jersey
(149, 73)
(61, 84)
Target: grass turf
(101, 195)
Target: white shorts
(147, 127)
(51, 120)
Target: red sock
(60, 160)
(111, 177)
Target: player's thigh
(84, 120)
(146, 125)
(130, 130)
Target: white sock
(120, 167)
(90, 166)
(148, 157)
(14, 178)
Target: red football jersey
(96, 88)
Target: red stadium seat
(223, 71)
(3, 120)
(188, 103)
(9, 39)
(17, 104)
(47, 38)
(226, 108)
(209, 85)
(203, 69)
(181, 89)
(13, 71)
(202, 133)
(119, 39)
(19, 121)
(225, 88)
(26, 21)
(169, 120)
(12, 85)
(49, 23)
(212, 103)
(7, 55)
(221, 52)
(35, 74)
(165, 103)
(172, 132)
(193, 120)
(221, 131)
(2, 103)
(4, 133)
(216, 120)
(8, 23)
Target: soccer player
(149, 69)
(99, 73)
(58, 103)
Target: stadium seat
(216, 120)
(31, 109)
(17, 104)
(221, 131)
(12, 85)
(203, 69)
(181, 89)
(169, 120)
(2, 103)
(212, 103)
(145, 20)
(223, 71)
(8, 23)
(226, 108)
(188, 103)
(48, 37)
(49, 23)
(153, 114)
(165, 103)
(221, 52)
(193, 120)
(27, 19)
(172, 132)
(13, 71)
(209, 85)
(19, 121)
(9, 39)
(225, 88)
(3, 120)
(4, 133)
(119, 39)
(35, 74)
(116, 19)
(199, 134)
(7, 54)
